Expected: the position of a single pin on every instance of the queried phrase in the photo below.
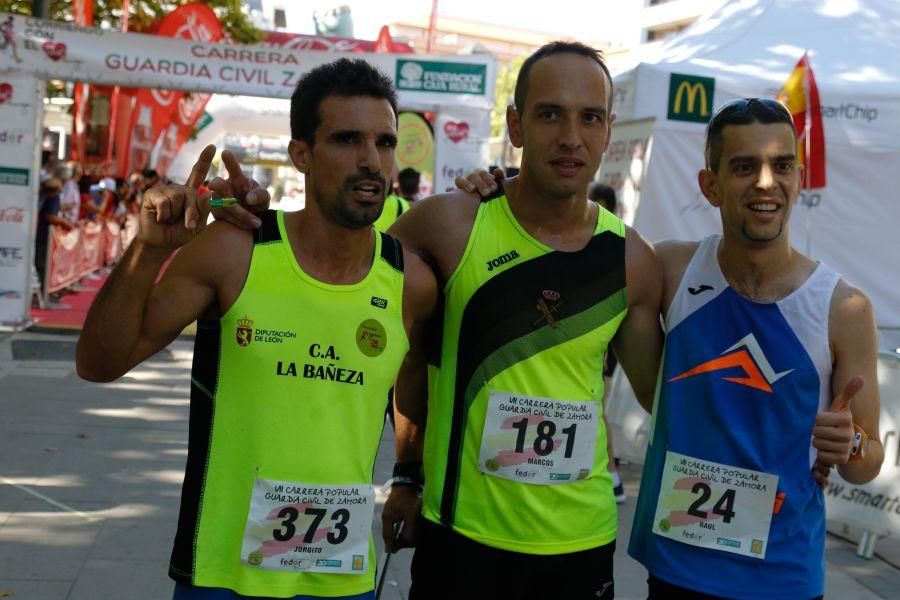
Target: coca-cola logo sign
(12, 214)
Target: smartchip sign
(441, 77)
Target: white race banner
(59, 50)
(21, 107)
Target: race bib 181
(715, 506)
(538, 440)
(307, 527)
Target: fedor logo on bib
(295, 526)
(538, 440)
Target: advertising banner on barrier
(20, 103)
(74, 253)
(59, 50)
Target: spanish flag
(801, 96)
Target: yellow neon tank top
(394, 206)
(525, 331)
(290, 386)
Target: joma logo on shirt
(502, 260)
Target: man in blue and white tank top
(768, 379)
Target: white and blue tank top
(740, 385)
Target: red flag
(83, 14)
(156, 111)
(801, 96)
(384, 42)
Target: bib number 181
(543, 443)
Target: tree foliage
(142, 14)
(503, 95)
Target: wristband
(860, 444)
(403, 482)
(408, 473)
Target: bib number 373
(538, 440)
(715, 506)
(305, 527)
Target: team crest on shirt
(747, 355)
(244, 332)
(548, 304)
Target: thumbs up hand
(833, 433)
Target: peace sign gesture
(173, 214)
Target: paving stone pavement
(90, 478)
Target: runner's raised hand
(252, 197)
(833, 433)
(173, 214)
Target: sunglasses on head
(740, 105)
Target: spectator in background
(605, 196)
(48, 214)
(151, 178)
(70, 195)
(408, 182)
(103, 199)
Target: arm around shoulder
(437, 229)
(638, 343)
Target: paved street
(91, 475)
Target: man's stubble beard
(339, 209)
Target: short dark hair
(408, 179)
(743, 111)
(150, 174)
(600, 192)
(557, 48)
(343, 77)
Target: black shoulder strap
(392, 251)
(500, 192)
(268, 231)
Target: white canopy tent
(748, 48)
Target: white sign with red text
(460, 140)
(60, 50)
(20, 103)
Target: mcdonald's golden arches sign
(691, 97)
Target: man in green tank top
(537, 282)
(303, 324)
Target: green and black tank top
(288, 392)
(515, 448)
(394, 206)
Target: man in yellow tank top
(303, 325)
(537, 281)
